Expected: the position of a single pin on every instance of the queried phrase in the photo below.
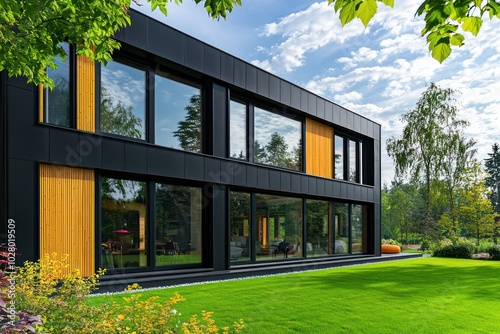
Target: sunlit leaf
(472, 24)
(441, 51)
(366, 11)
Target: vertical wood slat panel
(67, 215)
(85, 100)
(319, 149)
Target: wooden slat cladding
(67, 215)
(319, 149)
(85, 99)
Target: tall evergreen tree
(189, 130)
(277, 151)
(492, 166)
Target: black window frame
(71, 57)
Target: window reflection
(339, 157)
(123, 100)
(341, 228)
(278, 140)
(237, 130)
(319, 228)
(177, 114)
(359, 226)
(178, 225)
(239, 243)
(124, 223)
(353, 153)
(57, 101)
(278, 227)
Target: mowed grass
(424, 295)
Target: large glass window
(339, 157)
(359, 226)
(123, 100)
(178, 221)
(278, 224)
(278, 140)
(124, 223)
(237, 130)
(239, 242)
(353, 158)
(177, 114)
(57, 102)
(319, 228)
(341, 228)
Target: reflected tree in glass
(189, 130)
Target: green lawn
(424, 295)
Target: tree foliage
(31, 31)
(432, 145)
(492, 166)
(446, 21)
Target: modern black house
(177, 162)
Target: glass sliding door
(124, 223)
(239, 242)
(178, 221)
(342, 231)
(319, 228)
(278, 225)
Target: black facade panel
(376, 131)
(212, 170)
(113, 154)
(89, 150)
(166, 42)
(136, 158)
(195, 54)
(263, 83)
(343, 190)
(20, 82)
(312, 185)
(320, 108)
(343, 117)
(336, 114)
(62, 145)
(194, 167)
(295, 96)
(251, 78)
(304, 184)
(220, 251)
(212, 61)
(296, 183)
(350, 120)
(25, 139)
(363, 126)
(285, 181)
(304, 101)
(220, 121)
(285, 92)
(239, 73)
(262, 178)
(274, 88)
(22, 205)
(320, 187)
(328, 111)
(329, 188)
(337, 187)
(274, 180)
(135, 34)
(356, 123)
(350, 191)
(240, 174)
(165, 162)
(226, 69)
(313, 104)
(357, 192)
(227, 172)
(120, 35)
(369, 195)
(252, 176)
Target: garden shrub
(455, 251)
(61, 299)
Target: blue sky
(378, 72)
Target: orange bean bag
(390, 249)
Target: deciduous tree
(424, 149)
